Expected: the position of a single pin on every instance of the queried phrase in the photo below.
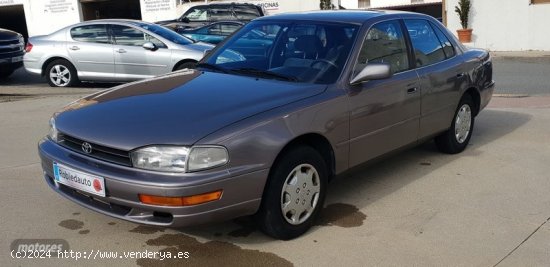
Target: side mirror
(184, 20)
(149, 46)
(373, 71)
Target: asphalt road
(522, 75)
(487, 206)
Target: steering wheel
(328, 62)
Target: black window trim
(412, 49)
(407, 44)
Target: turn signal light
(180, 201)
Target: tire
(291, 203)
(456, 138)
(186, 65)
(5, 73)
(61, 73)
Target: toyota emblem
(86, 147)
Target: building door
(13, 18)
(110, 9)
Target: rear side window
(91, 34)
(246, 12)
(384, 43)
(427, 47)
(447, 45)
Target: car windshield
(166, 33)
(309, 52)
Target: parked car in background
(213, 33)
(201, 15)
(12, 49)
(261, 130)
(110, 51)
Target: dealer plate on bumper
(78, 180)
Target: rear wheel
(294, 194)
(458, 136)
(61, 73)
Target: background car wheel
(294, 194)
(61, 73)
(186, 65)
(457, 137)
(5, 73)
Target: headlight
(160, 158)
(207, 157)
(53, 130)
(179, 159)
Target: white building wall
(354, 4)
(505, 25)
(47, 16)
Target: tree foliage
(463, 11)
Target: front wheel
(186, 65)
(61, 73)
(456, 139)
(294, 194)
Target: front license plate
(79, 180)
(16, 59)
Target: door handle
(460, 75)
(121, 51)
(74, 47)
(412, 90)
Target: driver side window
(384, 43)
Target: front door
(132, 60)
(384, 114)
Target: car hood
(175, 109)
(7, 34)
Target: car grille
(11, 46)
(98, 151)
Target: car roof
(357, 16)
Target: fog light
(180, 201)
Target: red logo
(97, 185)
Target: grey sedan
(262, 129)
(110, 51)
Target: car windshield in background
(304, 52)
(166, 33)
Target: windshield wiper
(212, 67)
(265, 74)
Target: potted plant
(463, 11)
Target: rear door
(90, 49)
(441, 75)
(132, 60)
(384, 114)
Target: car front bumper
(241, 194)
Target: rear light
(28, 47)
(180, 201)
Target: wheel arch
(183, 61)
(476, 97)
(316, 141)
(50, 60)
